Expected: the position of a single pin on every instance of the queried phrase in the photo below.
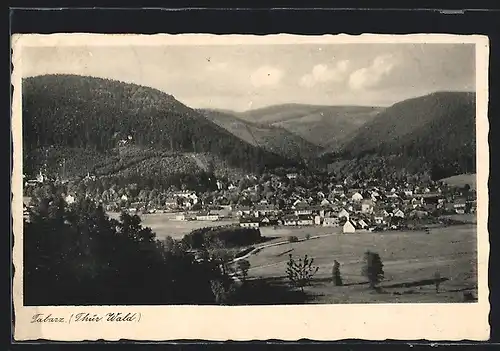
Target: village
(289, 199)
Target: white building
(181, 217)
(249, 224)
(317, 220)
(343, 213)
(331, 222)
(325, 202)
(207, 217)
(367, 206)
(399, 213)
(349, 227)
(356, 197)
(69, 199)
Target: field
(461, 180)
(410, 261)
(410, 258)
(164, 224)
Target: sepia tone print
(249, 174)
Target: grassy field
(410, 261)
(164, 224)
(461, 179)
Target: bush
(79, 256)
(336, 278)
(293, 239)
(230, 236)
(308, 236)
(373, 268)
(301, 272)
(223, 290)
(243, 267)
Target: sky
(244, 77)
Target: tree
(373, 268)
(336, 278)
(80, 256)
(243, 267)
(301, 272)
(437, 281)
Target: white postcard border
(317, 322)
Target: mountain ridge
(434, 132)
(82, 112)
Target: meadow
(165, 224)
(410, 258)
(410, 261)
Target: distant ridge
(324, 126)
(272, 138)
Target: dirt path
(284, 242)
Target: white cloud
(369, 77)
(266, 76)
(322, 73)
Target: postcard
(243, 187)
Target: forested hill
(272, 138)
(77, 112)
(324, 126)
(435, 132)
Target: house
(137, 205)
(112, 207)
(349, 227)
(269, 221)
(417, 201)
(241, 211)
(305, 220)
(302, 208)
(292, 175)
(69, 199)
(459, 205)
(124, 197)
(379, 217)
(249, 223)
(356, 197)
(408, 192)
(418, 214)
(264, 210)
(40, 178)
(186, 194)
(331, 222)
(362, 223)
(207, 216)
(290, 220)
(471, 206)
(318, 219)
(325, 202)
(171, 202)
(398, 213)
(180, 217)
(343, 213)
(431, 198)
(367, 206)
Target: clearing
(461, 180)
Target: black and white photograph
(227, 173)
